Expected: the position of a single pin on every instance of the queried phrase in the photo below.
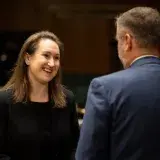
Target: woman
(38, 118)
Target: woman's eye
(57, 58)
(46, 55)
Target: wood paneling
(86, 45)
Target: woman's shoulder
(5, 96)
(68, 92)
(70, 97)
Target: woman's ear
(27, 58)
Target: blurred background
(85, 27)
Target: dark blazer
(37, 131)
(122, 120)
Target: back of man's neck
(143, 56)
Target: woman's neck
(39, 93)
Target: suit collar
(145, 60)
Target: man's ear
(27, 58)
(128, 42)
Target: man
(122, 120)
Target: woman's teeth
(47, 70)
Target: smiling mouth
(47, 70)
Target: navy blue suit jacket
(122, 120)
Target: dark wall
(85, 39)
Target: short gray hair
(144, 23)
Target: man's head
(138, 33)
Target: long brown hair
(19, 83)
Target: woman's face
(44, 64)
